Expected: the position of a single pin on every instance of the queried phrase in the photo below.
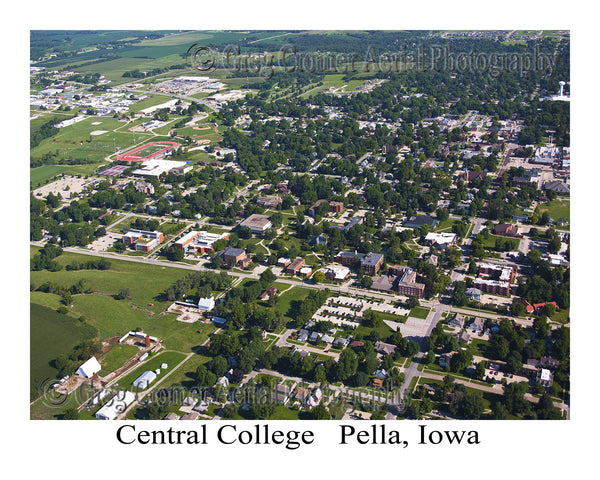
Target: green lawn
(172, 359)
(490, 242)
(419, 312)
(284, 413)
(390, 316)
(558, 208)
(116, 358)
(384, 330)
(185, 375)
(289, 302)
(76, 140)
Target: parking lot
(348, 311)
(65, 186)
(101, 244)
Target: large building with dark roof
(370, 263)
(417, 221)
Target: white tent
(144, 380)
(89, 368)
(116, 405)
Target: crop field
(114, 69)
(51, 335)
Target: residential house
(473, 293)
(476, 325)
(268, 293)
(506, 230)
(457, 321)
(303, 335)
(384, 348)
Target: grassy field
(558, 208)
(419, 312)
(146, 284)
(172, 359)
(390, 316)
(185, 375)
(289, 302)
(76, 140)
(384, 330)
(490, 242)
(51, 335)
(116, 357)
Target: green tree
(70, 414)
(319, 277)
(346, 365)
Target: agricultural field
(52, 334)
(146, 284)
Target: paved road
(433, 318)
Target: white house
(89, 368)
(206, 304)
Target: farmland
(52, 334)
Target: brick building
(296, 265)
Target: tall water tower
(562, 85)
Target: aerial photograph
(299, 225)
